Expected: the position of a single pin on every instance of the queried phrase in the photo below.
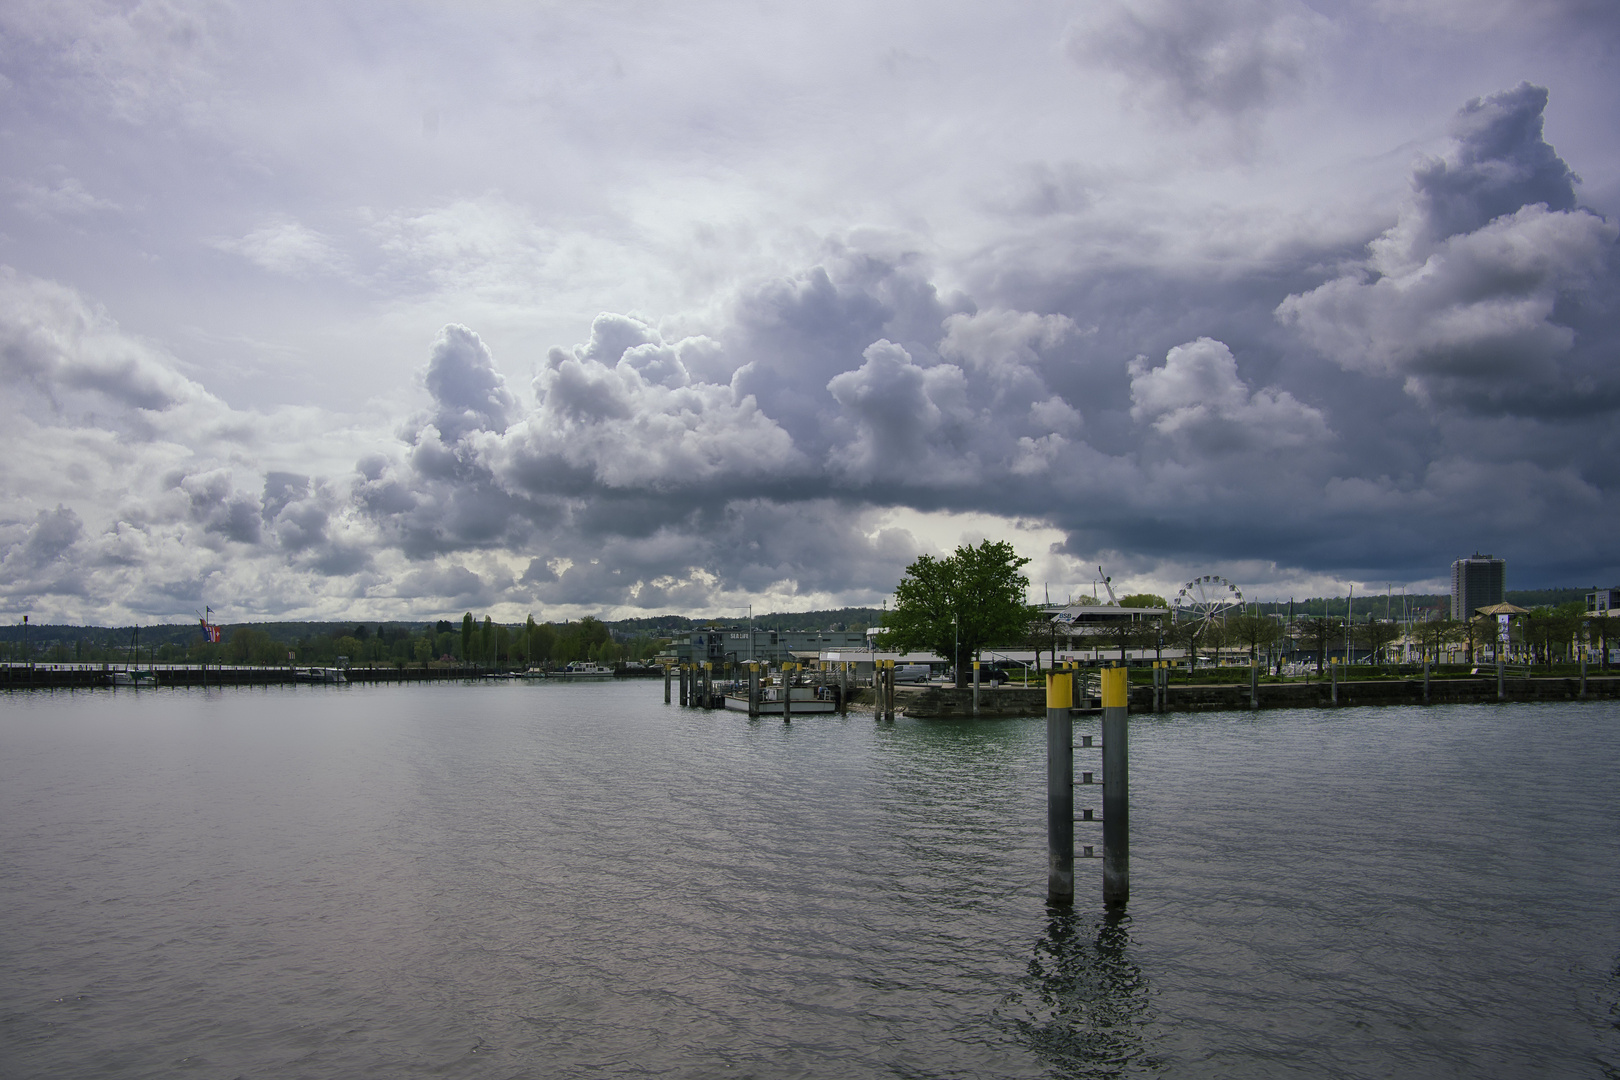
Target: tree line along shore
(1317, 627)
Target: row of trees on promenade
(480, 642)
(1545, 635)
(974, 599)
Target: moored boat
(582, 671)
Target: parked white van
(904, 673)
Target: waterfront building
(1477, 582)
(1090, 623)
(1602, 602)
(720, 645)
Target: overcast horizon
(314, 311)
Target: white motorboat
(582, 671)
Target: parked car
(988, 676)
(912, 673)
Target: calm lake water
(514, 880)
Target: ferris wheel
(1206, 599)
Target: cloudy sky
(327, 310)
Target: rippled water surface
(577, 880)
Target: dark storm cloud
(220, 509)
(454, 585)
(1501, 163)
(54, 343)
(633, 480)
(986, 295)
(469, 394)
(1227, 57)
(37, 558)
(1494, 292)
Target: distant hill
(183, 634)
(855, 618)
(186, 633)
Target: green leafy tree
(1607, 629)
(466, 637)
(1431, 637)
(1319, 634)
(1483, 630)
(1256, 631)
(960, 604)
(579, 641)
(542, 643)
(503, 644)
(486, 641)
(1375, 634)
(1184, 635)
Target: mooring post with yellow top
(753, 688)
(787, 693)
(681, 671)
(975, 688)
(1059, 788)
(890, 688)
(1116, 788)
(1333, 673)
(1254, 683)
(666, 684)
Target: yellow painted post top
(1059, 690)
(1114, 689)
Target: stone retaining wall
(938, 702)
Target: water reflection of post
(1086, 1005)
